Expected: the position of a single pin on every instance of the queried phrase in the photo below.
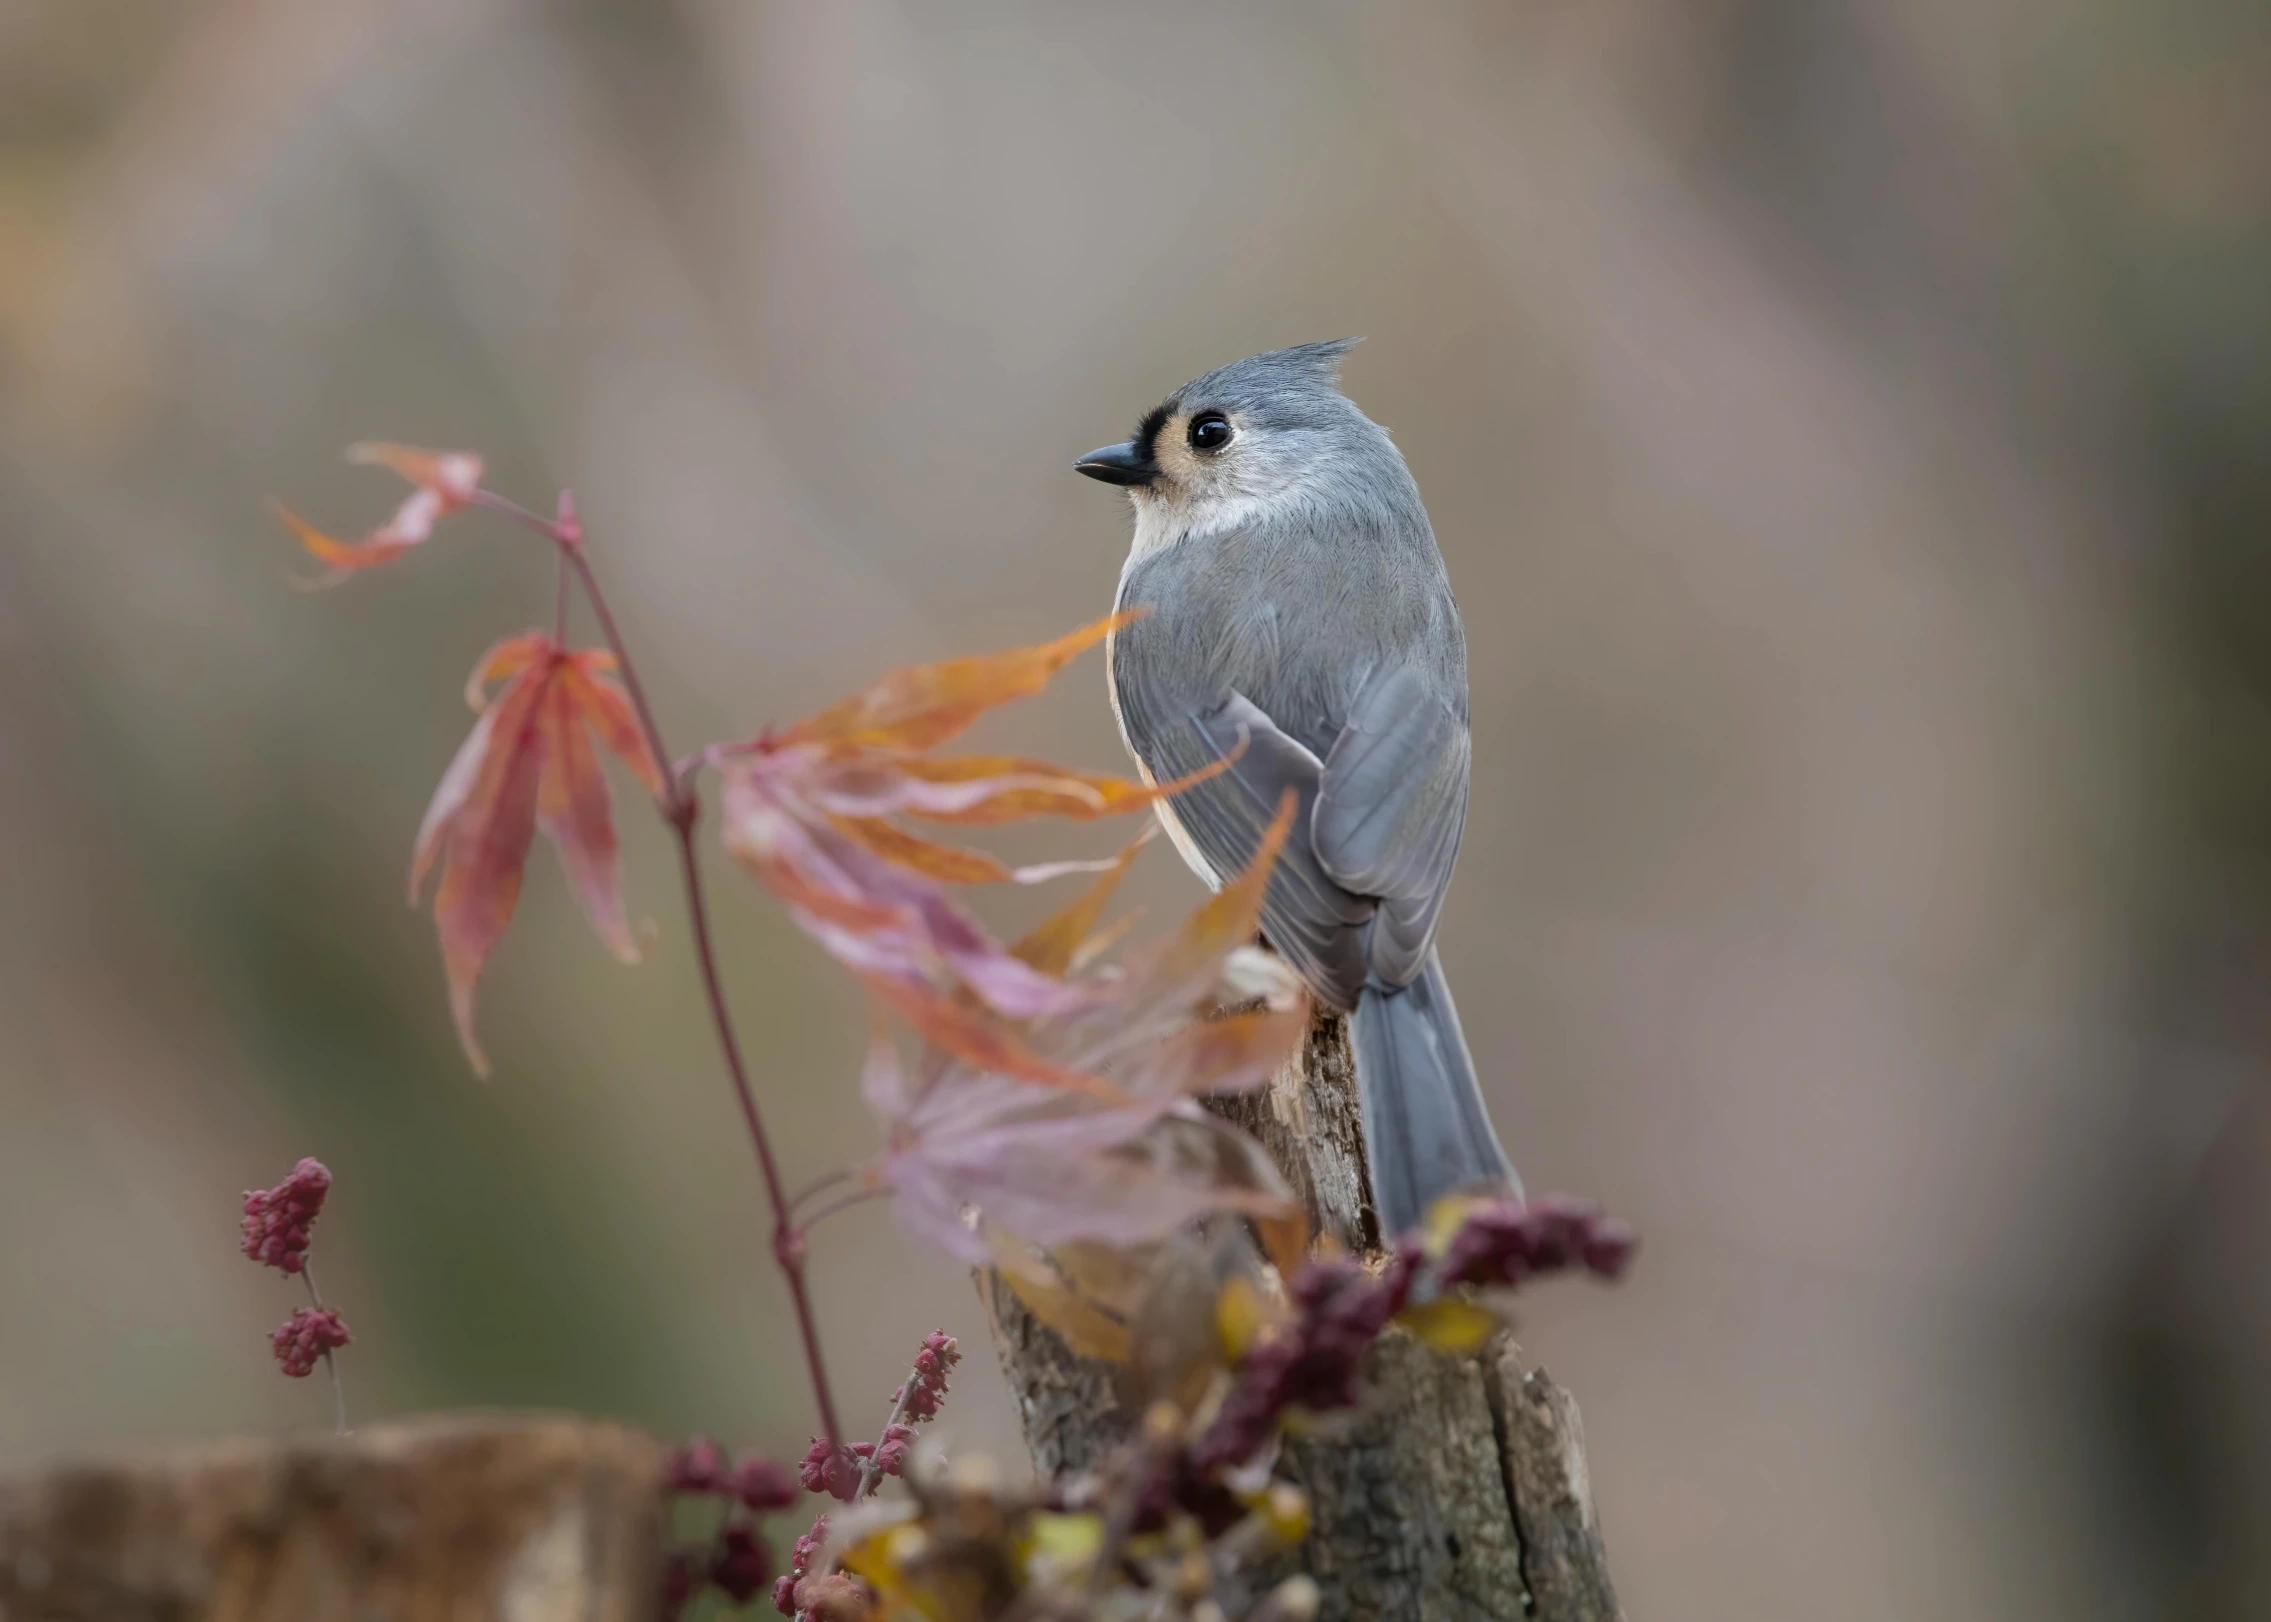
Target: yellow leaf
(1284, 1510)
(1241, 1317)
(1056, 1546)
(1451, 1323)
(1447, 1216)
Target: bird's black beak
(1119, 464)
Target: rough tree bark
(1460, 1491)
(519, 1519)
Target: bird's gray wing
(1391, 805)
(1312, 921)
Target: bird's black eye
(1210, 431)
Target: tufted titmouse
(1297, 601)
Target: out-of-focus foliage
(1840, 424)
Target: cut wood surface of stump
(1460, 1491)
(444, 1520)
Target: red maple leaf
(529, 763)
(445, 481)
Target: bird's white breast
(1155, 529)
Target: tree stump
(1460, 1490)
(520, 1519)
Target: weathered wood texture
(519, 1519)
(1459, 1491)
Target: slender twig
(560, 605)
(330, 1363)
(827, 1179)
(788, 1240)
(871, 1468)
(681, 808)
(842, 1202)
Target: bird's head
(1253, 431)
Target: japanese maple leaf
(445, 482)
(863, 761)
(922, 706)
(807, 809)
(968, 1145)
(529, 763)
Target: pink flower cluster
(843, 1472)
(736, 1561)
(800, 1562)
(1506, 1243)
(760, 1485)
(303, 1338)
(928, 1387)
(276, 1233)
(276, 1220)
(830, 1468)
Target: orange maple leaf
(860, 762)
(807, 810)
(529, 763)
(922, 706)
(445, 481)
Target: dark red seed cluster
(927, 1389)
(830, 1468)
(763, 1485)
(302, 1339)
(800, 1561)
(682, 1579)
(1313, 1363)
(698, 1466)
(736, 1560)
(1508, 1243)
(891, 1453)
(835, 1597)
(276, 1220)
(757, 1483)
(741, 1564)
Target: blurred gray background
(1848, 425)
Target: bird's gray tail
(1426, 1129)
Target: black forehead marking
(1147, 431)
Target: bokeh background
(1848, 425)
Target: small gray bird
(1298, 606)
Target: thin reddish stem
(788, 1239)
(842, 1202)
(679, 804)
(330, 1363)
(871, 1469)
(827, 1179)
(681, 808)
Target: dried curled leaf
(1051, 1288)
(445, 482)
